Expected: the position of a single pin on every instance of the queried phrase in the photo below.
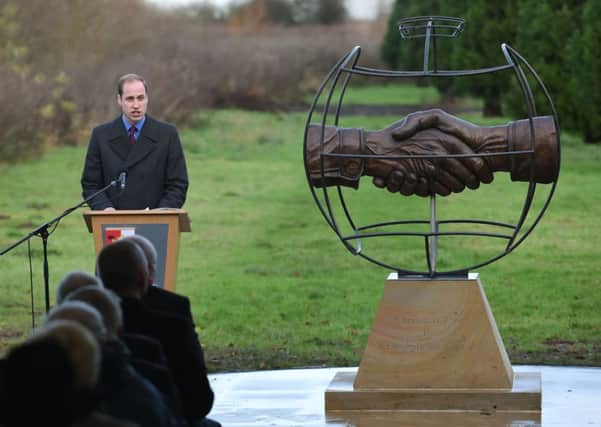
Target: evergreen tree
(304, 11)
(331, 12)
(543, 28)
(279, 11)
(391, 50)
(406, 54)
(488, 25)
(561, 39)
(324, 12)
(448, 51)
(585, 61)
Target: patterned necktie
(132, 135)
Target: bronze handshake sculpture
(430, 135)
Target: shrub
(80, 48)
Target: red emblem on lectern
(115, 233)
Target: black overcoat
(185, 357)
(156, 169)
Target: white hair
(73, 281)
(106, 302)
(82, 313)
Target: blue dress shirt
(139, 126)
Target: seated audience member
(155, 297)
(139, 344)
(122, 392)
(148, 359)
(123, 269)
(82, 313)
(73, 281)
(49, 380)
(2, 390)
(144, 348)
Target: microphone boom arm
(42, 231)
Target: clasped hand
(433, 134)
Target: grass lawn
(389, 94)
(271, 286)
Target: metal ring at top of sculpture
(429, 153)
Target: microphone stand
(42, 231)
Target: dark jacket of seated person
(123, 268)
(184, 354)
(170, 302)
(144, 348)
(125, 394)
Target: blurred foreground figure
(49, 380)
(122, 267)
(121, 391)
(74, 280)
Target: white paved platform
(571, 398)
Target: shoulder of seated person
(130, 336)
(97, 419)
(155, 291)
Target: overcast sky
(365, 9)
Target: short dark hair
(120, 264)
(149, 250)
(130, 78)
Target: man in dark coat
(147, 151)
(122, 267)
(158, 298)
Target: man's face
(134, 101)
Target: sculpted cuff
(546, 161)
(344, 171)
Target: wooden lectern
(160, 226)
(435, 351)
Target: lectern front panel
(156, 233)
(161, 227)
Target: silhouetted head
(82, 313)
(73, 281)
(106, 302)
(149, 252)
(48, 379)
(123, 269)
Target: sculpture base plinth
(524, 396)
(435, 348)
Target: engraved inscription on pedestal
(437, 334)
(423, 332)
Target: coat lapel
(146, 143)
(117, 139)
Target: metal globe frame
(430, 28)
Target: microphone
(122, 177)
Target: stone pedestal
(434, 346)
